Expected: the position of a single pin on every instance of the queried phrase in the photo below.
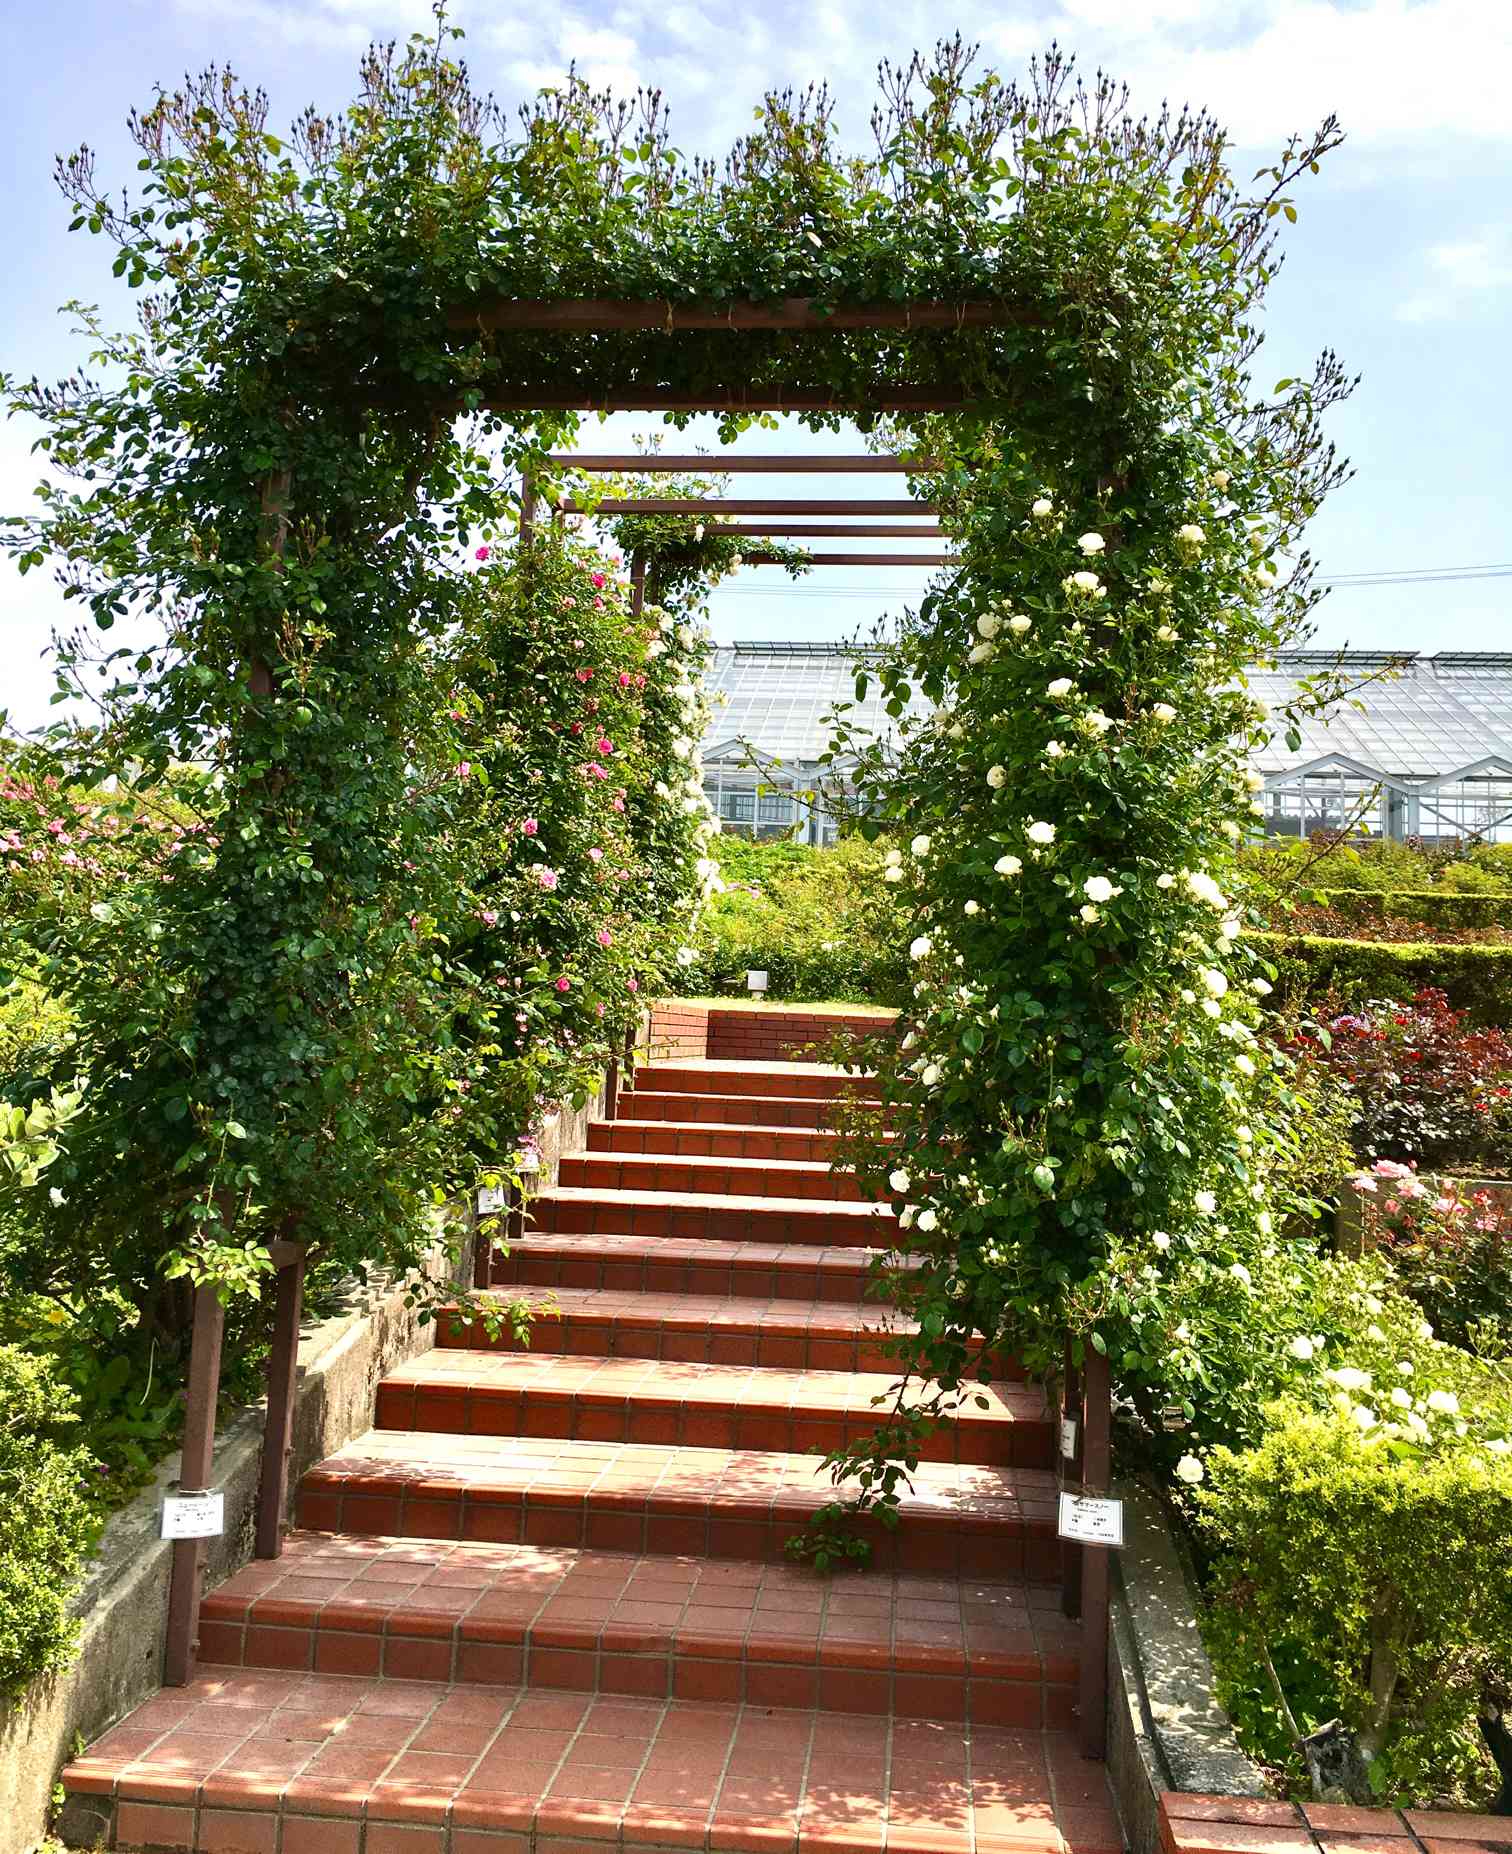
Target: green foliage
(1476, 979)
(1378, 1554)
(46, 1522)
(1445, 906)
(1293, 866)
(820, 923)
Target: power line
(1407, 576)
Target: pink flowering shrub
(1451, 1248)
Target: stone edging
(1242, 1825)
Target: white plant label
(490, 1200)
(1091, 1521)
(194, 1516)
(1068, 1438)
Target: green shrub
(47, 1523)
(1477, 979)
(1382, 1560)
(821, 926)
(1433, 907)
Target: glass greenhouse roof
(1431, 716)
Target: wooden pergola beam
(558, 398)
(890, 560)
(698, 505)
(796, 315)
(825, 465)
(836, 530)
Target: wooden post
(637, 583)
(611, 1088)
(283, 1375)
(1097, 1563)
(527, 510)
(196, 1469)
(1068, 1474)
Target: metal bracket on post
(283, 1375)
(196, 1470)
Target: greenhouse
(1415, 746)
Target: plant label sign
(491, 1200)
(1068, 1438)
(1091, 1521)
(194, 1516)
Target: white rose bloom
(1165, 880)
(1244, 1064)
(1061, 686)
(1213, 1008)
(1088, 913)
(1220, 479)
(1445, 1403)
(931, 1074)
(1301, 1348)
(893, 858)
(1201, 887)
(1097, 721)
(1253, 781)
(1401, 1399)
(1213, 982)
(1206, 1202)
(1263, 1221)
(1161, 1241)
(892, 874)
(1188, 996)
(988, 626)
(1042, 508)
(1040, 833)
(981, 653)
(920, 846)
(1008, 866)
(1231, 929)
(1405, 1367)
(1098, 888)
(1018, 626)
(1054, 750)
(906, 1216)
(899, 1181)
(1349, 1378)
(1241, 1274)
(921, 948)
(956, 731)
(1168, 634)
(1190, 535)
(1262, 988)
(1190, 1470)
(1087, 582)
(1091, 544)
(686, 955)
(927, 1220)
(997, 777)
(1163, 711)
(972, 907)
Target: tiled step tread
(684, 1139)
(655, 1214)
(689, 1265)
(960, 1518)
(774, 1080)
(720, 1406)
(657, 1626)
(812, 1180)
(444, 1769)
(724, 1109)
(788, 1334)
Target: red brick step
(666, 1173)
(780, 1080)
(246, 1759)
(572, 1209)
(643, 1497)
(770, 1635)
(692, 1265)
(645, 1103)
(697, 1405)
(737, 1142)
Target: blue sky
(1402, 260)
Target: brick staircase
(544, 1606)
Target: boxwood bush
(1476, 979)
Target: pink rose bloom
(618, 803)
(603, 744)
(546, 877)
(605, 938)
(632, 984)
(530, 827)
(564, 984)
(624, 679)
(464, 770)
(482, 553)
(489, 917)
(598, 1010)
(1391, 1168)
(595, 855)
(600, 580)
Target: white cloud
(1457, 276)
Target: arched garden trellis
(1047, 298)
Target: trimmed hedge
(1477, 979)
(1433, 907)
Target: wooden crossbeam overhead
(889, 560)
(578, 398)
(698, 505)
(836, 530)
(798, 315)
(661, 465)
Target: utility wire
(1410, 576)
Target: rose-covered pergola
(366, 334)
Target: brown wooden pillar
(527, 510)
(283, 1380)
(637, 583)
(1097, 1560)
(1068, 1474)
(196, 1470)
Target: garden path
(543, 1606)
